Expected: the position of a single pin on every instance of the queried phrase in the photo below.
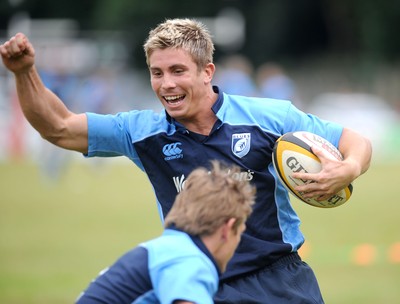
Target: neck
(203, 125)
(204, 118)
(215, 247)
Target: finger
(322, 154)
(321, 198)
(29, 50)
(16, 46)
(317, 195)
(309, 188)
(3, 51)
(24, 44)
(306, 177)
(318, 151)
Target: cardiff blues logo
(241, 144)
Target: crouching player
(183, 265)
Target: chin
(176, 114)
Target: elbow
(53, 139)
(369, 150)
(54, 134)
(65, 140)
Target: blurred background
(339, 59)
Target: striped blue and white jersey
(244, 135)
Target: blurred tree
(279, 29)
(136, 17)
(5, 12)
(366, 28)
(74, 9)
(379, 26)
(275, 29)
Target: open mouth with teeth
(174, 99)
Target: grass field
(55, 236)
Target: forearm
(41, 107)
(357, 150)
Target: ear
(227, 228)
(209, 73)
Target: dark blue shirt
(174, 266)
(244, 134)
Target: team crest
(241, 144)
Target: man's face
(177, 82)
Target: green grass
(55, 236)
(370, 217)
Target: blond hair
(188, 34)
(209, 199)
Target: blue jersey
(244, 135)
(174, 266)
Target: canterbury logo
(172, 151)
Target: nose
(168, 81)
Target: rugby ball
(292, 153)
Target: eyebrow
(172, 67)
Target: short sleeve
(108, 135)
(191, 279)
(297, 120)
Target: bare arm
(41, 107)
(336, 175)
(357, 150)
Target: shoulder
(256, 101)
(171, 243)
(175, 247)
(134, 115)
(266, 113)
(256, 105)
(137, 123)
(174, 257)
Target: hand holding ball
(292, 153)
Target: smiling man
(184, 89)
(201, 123)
